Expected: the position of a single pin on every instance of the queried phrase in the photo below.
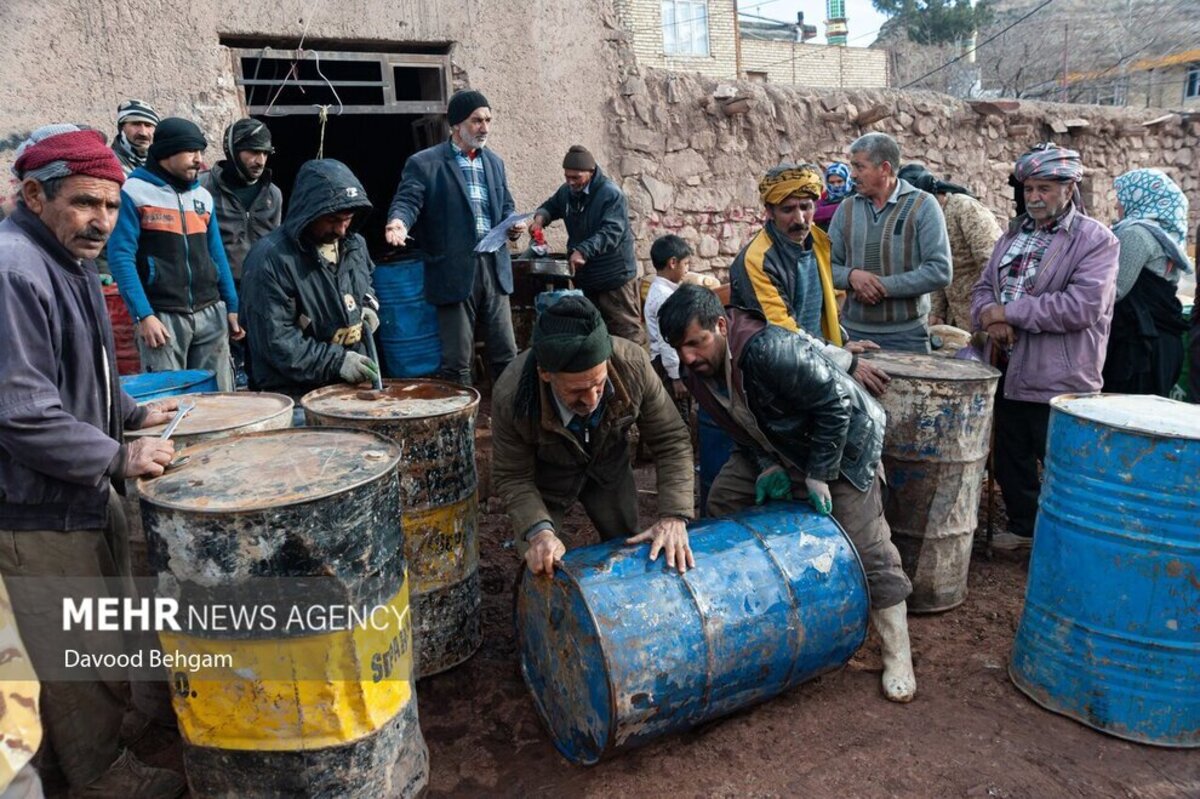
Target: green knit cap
(570, 336)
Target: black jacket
(431, 201)
(814, 415)
(62, 409)
(242, 227)
(597, 226)
(301, 315)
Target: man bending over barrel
(561, 416)
(800, 424)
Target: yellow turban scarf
(778, 185)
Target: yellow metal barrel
(433, 422)
(292, 670)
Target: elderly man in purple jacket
(1045, 299)
(62, 412)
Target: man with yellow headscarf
(784, 272)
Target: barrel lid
(1154, 415)
(220, 411)
(272, 469)
(930, 367)
(400, 399)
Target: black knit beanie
(570, 336)
(463, 104)
(175, 135)
(578, 158)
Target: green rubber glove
(106, 280)
(819, 496)
(774, 483)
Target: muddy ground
(969, 733)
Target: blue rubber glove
(774, 483)
(819, 496)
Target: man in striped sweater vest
(169, 263)
(889, 250)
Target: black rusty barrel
(278, 523)
(216, 415)
(434, 424)
(935, 452)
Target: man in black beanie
(560, 433)
(248, 205)
(450, 195)
(169, 263)
(599, 240)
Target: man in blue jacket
(599, 240)
(449, 197)
(169, 263)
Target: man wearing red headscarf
(62, 449)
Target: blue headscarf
(1151, 196)
(841, 192)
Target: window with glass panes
(685, 27)
(1192, 89)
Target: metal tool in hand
(185, 407)
(377, 380)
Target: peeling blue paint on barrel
(618, 650)
(1110, 634)
(157, 385)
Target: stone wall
(817, 65)
(690, 169)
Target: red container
(128, 362)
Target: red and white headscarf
(57, 151)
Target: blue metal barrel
(617, 650)
(715, 446)
(1110, 635)
(156, 385)
(408, 328)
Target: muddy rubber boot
(129, 777)
(899, 681)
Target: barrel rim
(392, 468)
(562, 571)
(291, 404)
(990, 373)
(1020, 682)
(469, 409)
(1061, 403)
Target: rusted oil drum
(935, 453)
(1110, 633)
(434, 424)
(290, 519)
(617, 650)
(216, 415)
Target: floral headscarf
(840, 192)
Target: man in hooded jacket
(247, 204)
(307, 288)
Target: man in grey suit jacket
(449, 196)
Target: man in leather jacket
(800, 423)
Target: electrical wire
(991, 38)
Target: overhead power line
(988, 40)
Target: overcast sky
(862, 18)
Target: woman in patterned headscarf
(838, 186)
(1145, 346)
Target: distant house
(1169, 81)
(709, 37)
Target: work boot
(899, 682)
(130, 777)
